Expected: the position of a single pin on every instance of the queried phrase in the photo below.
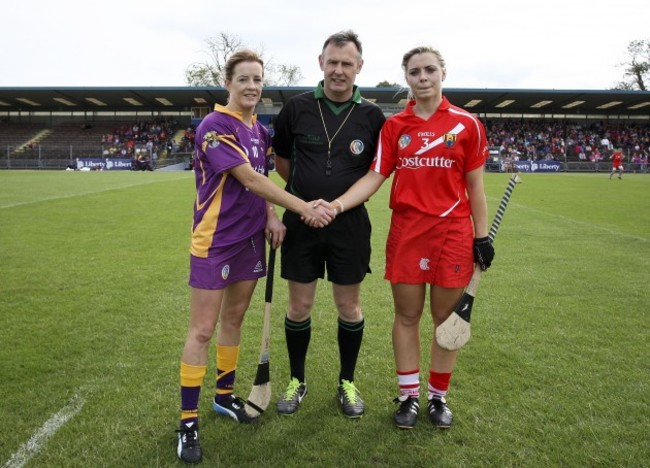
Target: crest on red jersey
(450, 139)
(404, 141)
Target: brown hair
(242, 55)
(423, 50)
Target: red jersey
(617, 159)
(430, 159)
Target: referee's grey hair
(343, 37)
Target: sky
(510, 44)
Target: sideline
(91, 192)
(47, 430)
(579, 223)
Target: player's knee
(348, 305)
(299, 309)
(202, 333)
(407, 318)
(350, 314)
(231, 322)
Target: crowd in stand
(187, 142)
(534, 139)
(141, 140)
(559, 140)
(512, 139)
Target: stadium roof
(177, 99)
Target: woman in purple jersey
(233, 214)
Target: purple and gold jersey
(225, 212)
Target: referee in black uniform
(324, 142)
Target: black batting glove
(483, 252)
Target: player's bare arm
(265, 188)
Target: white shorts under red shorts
(426, 249)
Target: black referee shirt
(300, 136)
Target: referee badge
(404, 141)
(356, 147)
(450, 139)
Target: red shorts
(426, 249)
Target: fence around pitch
(581, 166)
(52, 158)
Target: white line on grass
(583, 223)
(47, 430)
(82, 194)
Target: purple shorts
(243, 261)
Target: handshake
(320, 213)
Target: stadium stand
(63, 142)
(16, 134)
(36, 131)
(509, 139)
(73, 139)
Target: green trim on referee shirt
(337, 107)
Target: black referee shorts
(343, 248)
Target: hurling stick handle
(498, 217)
(270, 270)
(263, 364)
(472, 287)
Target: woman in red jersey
(617, 163)
(436, 152)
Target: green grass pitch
(94, 307)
